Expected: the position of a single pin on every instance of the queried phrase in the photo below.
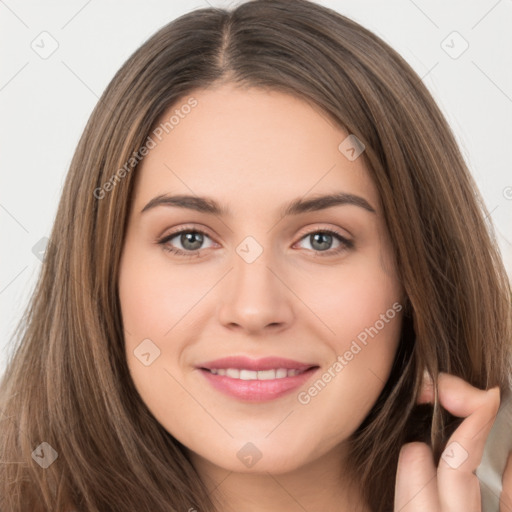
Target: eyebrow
(295, 207)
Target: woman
(185, 350)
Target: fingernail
(427, 378)
(426, 392)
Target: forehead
(249, 143)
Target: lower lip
(257, 390)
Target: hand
(453, 486)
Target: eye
(320, 241)
(190, 240)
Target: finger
(458, 485)
(416, 484)
(506, 492)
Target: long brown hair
(67, 383)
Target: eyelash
(345, 243)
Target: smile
(256, 380)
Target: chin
(254, 457)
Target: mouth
(256, 380)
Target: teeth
(235, 373)
(248, 375)
(266, 374)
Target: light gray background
(46, 101)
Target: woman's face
(266, 270)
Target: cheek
(351, 300)
(152, 298)
(145, 313)
(359, 312)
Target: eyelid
(198, 228)
(322, 227)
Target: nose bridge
(254, 283)
(254, 297)
(251, 268)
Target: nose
(255, 296)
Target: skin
(452, 486)
(254, 151)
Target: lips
(256, 380)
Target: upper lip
(247, 363)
